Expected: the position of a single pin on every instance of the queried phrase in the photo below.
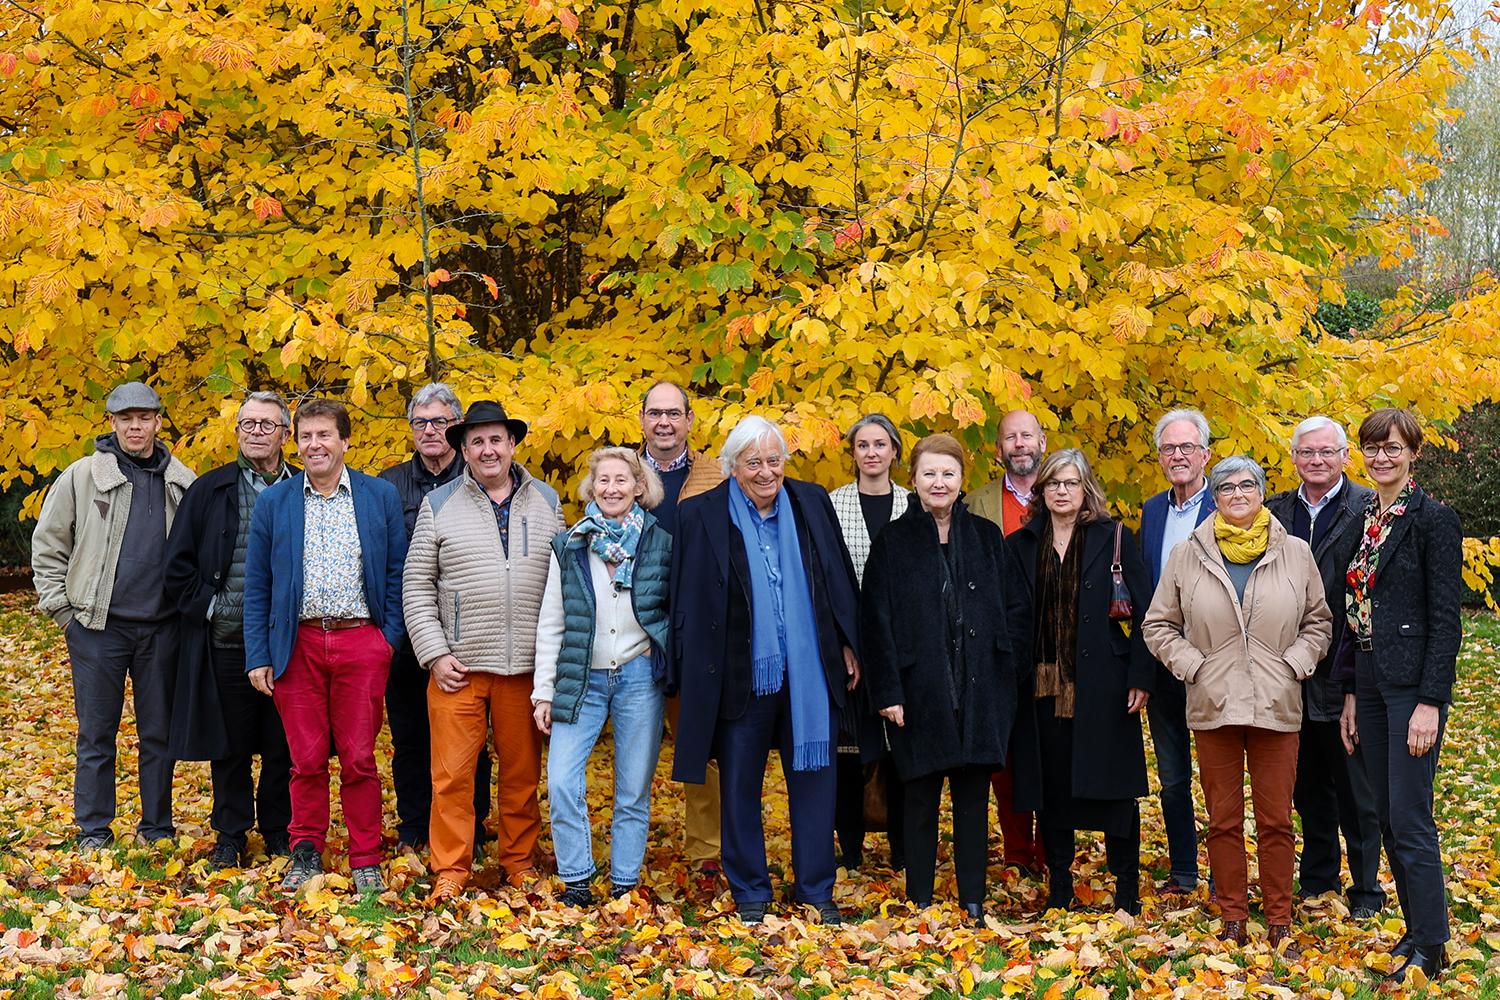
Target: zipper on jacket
(525, 538)
(458, 632)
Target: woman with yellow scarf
(1239, 616)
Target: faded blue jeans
(633, 703)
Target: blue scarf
(613, 541)
(790, 652)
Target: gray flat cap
(132, 396)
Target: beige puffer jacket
(461, 593)
(1240, 671)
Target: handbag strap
(1117, 568)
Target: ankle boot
(1059, 888)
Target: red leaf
(490, 284)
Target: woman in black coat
(936, 615)
(1091, 680)
(1403, 618)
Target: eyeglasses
(756, 464)
(1180, 449)
(436, 423)
(1057, 485)
(1326, 454)
(1249, 487)
(665, 414)
(263, 426)
(1390, 449)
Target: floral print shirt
(333, 573)
(1361, 575)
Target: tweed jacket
(1243, 662)
(852, 521)
(462, 593)
(76, 545)
(1416, 601)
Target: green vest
(649, 596)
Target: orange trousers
(461, 722)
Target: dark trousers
(254, 727)
(969, 788)
(1333, 794)
(743, 746)
(101, 660)
(1122, 856)
(1167, 712)
(1403, 800)
(411, 752)
(849, 812)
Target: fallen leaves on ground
(152, 921)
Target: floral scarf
(1361, 575)
(613, 541)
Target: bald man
(1020, 446)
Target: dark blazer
(1417, 630)
(200, 548)
(904, 625)
(709, 660)
(273, 566)
(1109, 757)
(1323, 695)
(1154, 526)
(413, 482)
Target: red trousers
(333, 692)
(1224, 755)
(1021, 837)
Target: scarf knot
(1242, 545)
(615, 542)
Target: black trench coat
(1109, 759)
(904, 628)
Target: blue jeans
(633, 703)
(1167, 711)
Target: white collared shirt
(1180, 521)
(1314, 509)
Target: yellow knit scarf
(1241, 545)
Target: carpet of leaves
(151, 921)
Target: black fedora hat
(485, 411)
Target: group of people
(1008, 640)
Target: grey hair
(266, 396)
(646, 478)
(1236, 465)
(876, 420)
(1321, 423)
(749, 431)
(1193, 417)
(436, 392)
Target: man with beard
(96, 556)
(1020, 447)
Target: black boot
(1060, 888)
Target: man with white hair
(1332, 792)
(1182, 447)
(763, 651)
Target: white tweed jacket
(852, 521)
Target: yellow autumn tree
(940, 209)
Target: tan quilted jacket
(461, 593)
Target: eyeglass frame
(1185, 449)
(1063, 484)
(439, 424)
(672, 414)
(1326, 454)
(1384, 448)
(1248, 487)
(259, 425)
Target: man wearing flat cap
(97, 559)
(472, 591)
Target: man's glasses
(252, 426)
(1326, 454)
(665, 414)
(436, 423)
(1180, 449)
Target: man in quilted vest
(475, 574)
(216, 714)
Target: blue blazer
(1154, 526)
(273, 566)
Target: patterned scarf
(613, 541)
(1059, 582)
(1242, 545)
(1361, 575)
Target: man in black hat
(96, 556)
(434, 462)
(472, 591)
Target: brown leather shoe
(1277, 933)
(1233, 932)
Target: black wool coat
(904, 626)
(1109, 757)
(1322, 694)
(1415, 609)
(199, 551)
(708, 663)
